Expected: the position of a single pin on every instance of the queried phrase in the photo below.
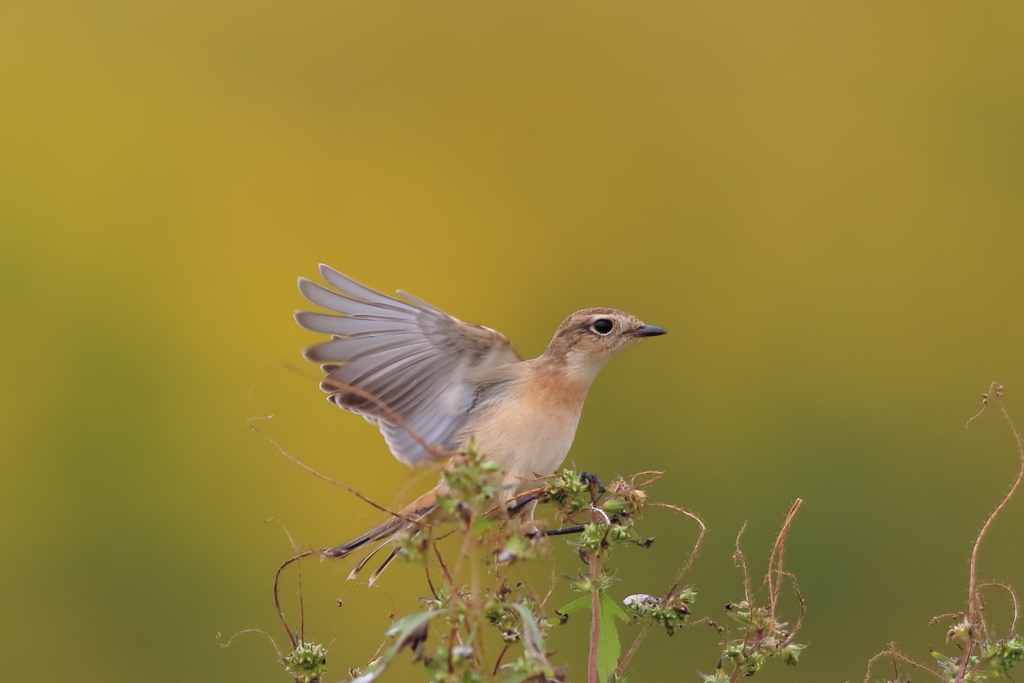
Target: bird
(433, 384)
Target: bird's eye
(603, 326)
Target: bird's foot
(555, 532)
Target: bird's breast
(530, 432)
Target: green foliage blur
(822, 202)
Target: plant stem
(965, 658)
(595, 619)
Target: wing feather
(321, 296)
(352, 325)
(423, 364)
(355, 348)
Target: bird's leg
(596, 490)
(519, 503)
(556, 532)
(524, 506)
(593, 484)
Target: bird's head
(587, 339)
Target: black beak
(649, 331)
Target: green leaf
(401, 629)
(533, 639)
(608, 648)
(516, 678)
(615, 608)
(574, 606)
(407, 624)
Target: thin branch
(696, 546)
(444, 567)
(253, 630)
(637, 642)
(1013, 597)
(391, 414)
(803, 607)
(965, 659)
(426, 571)
(953, 616)
(741, 561)
(896, 654)
(748, 596)
(973, 597)
(251, 422)
(298, 569)
(652, 476)
(776, 558)
(994, 390)
(497, 664)
(277, 594)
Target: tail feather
(385, 530)
(383, 566)
(419, 508)
(362, 563)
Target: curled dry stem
(974, 608)
(696, 546)
(638, 641)
(651, 476)
(298, 571)
(277, 594)
(975, 616)
(254, 630)
(896, 655)
(1013, 598)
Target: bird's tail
(377, 533)
(418, 509)
(382, 532)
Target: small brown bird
(431, 382)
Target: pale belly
(528, 441)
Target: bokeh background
(823, 202)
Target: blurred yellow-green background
(823, 203)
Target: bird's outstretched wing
(415, 370)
